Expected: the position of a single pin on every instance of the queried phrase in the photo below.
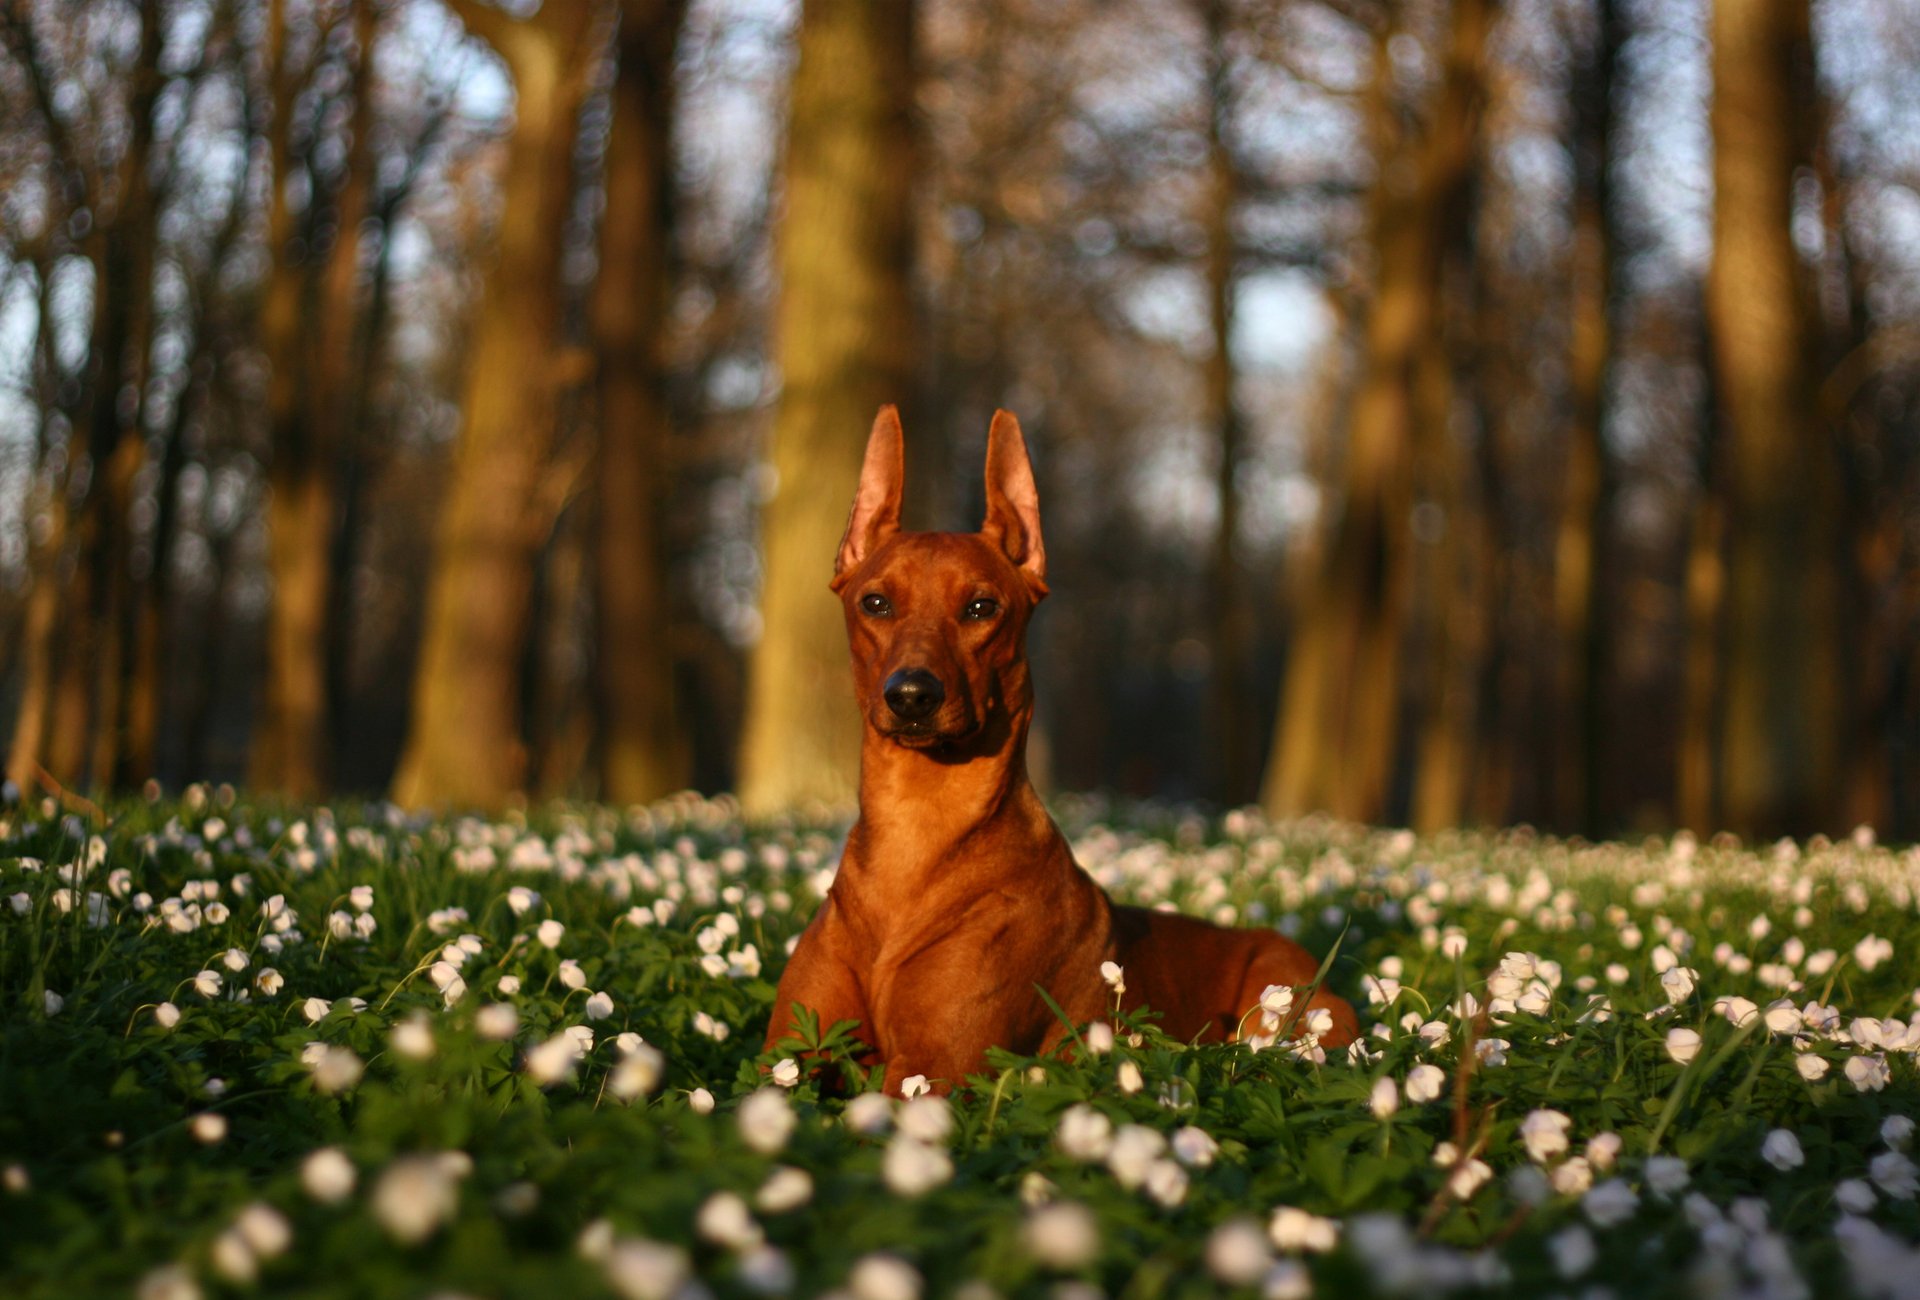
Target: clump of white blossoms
(1064, 1235)
(415, 1195)
(766, 1120)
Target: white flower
(234, 959)
(361, 896)
(1573, 1251)
(1424, 1083)
(1665, 1175)
(1384, 1100)
(233, 1259)
(497, 1021)
(1133, 1151)
(1572, 1176)
(315, 1010)
(1292, 1228)
(884, 1277)
(1166, 1183)
(413, 1037)
(915, 1085)
(207, 983)
(521, 900)
(1288, 1279)
(1782, 1017)
(208, 1127)
(700, 1101)
(507, 985)
(1868, 1073)
(1855, 1195)
(1895, 1175)
(926, 1119)
(1115, 977)
(1099, 1038)
(337, 1069)
(1237, 1253)
(869, 1113)
(599, 1006)
(1679, 983)
(1781, 1149)
(1896, 1131)
(911, 1168)
(1194, 1147)
(725, 1220)
(571, 976)
(786, 1073)
(166, 1015)
(269, 981)
(1544, 1133)
(1129, 1078)
(553, 1061)
(766, 1120)
(1063, 1236)
(1084, 1134)
(414, 1196)
(1871, 951)
(1683, 1044)
(328, 1175)
(786, 1189)
(549, 933)
(1812, 1068)
(264, 1229)
(637, 1074)
(1610, 1204)
(1603, 1149)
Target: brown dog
(957, 894)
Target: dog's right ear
(876, 502)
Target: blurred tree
(1583, 560)
(845, 345)
(1775, 754)
(643, 751)
(464, 742)
(309, 324)
(1338, 733)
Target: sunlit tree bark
(464, 743)
(845, 346)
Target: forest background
(1446, 411)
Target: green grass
(1172, 1160)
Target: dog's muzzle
(913, 694)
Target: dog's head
(938, 621)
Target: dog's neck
(917, 806)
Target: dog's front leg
(819, 978)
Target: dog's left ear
(1013, 503)
(876, 502)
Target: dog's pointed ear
(876, 502)
(1013, 502)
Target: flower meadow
(356, 1052)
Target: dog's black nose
(913, 693)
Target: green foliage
(361, 1013)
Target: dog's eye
(876, 604)
(981, 609)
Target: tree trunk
(1583, 545)
(1338, 732)
(1231, 630)
(311, 401)
(845, 347)
(464, 743)
(1777, 745)
(643, 753)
